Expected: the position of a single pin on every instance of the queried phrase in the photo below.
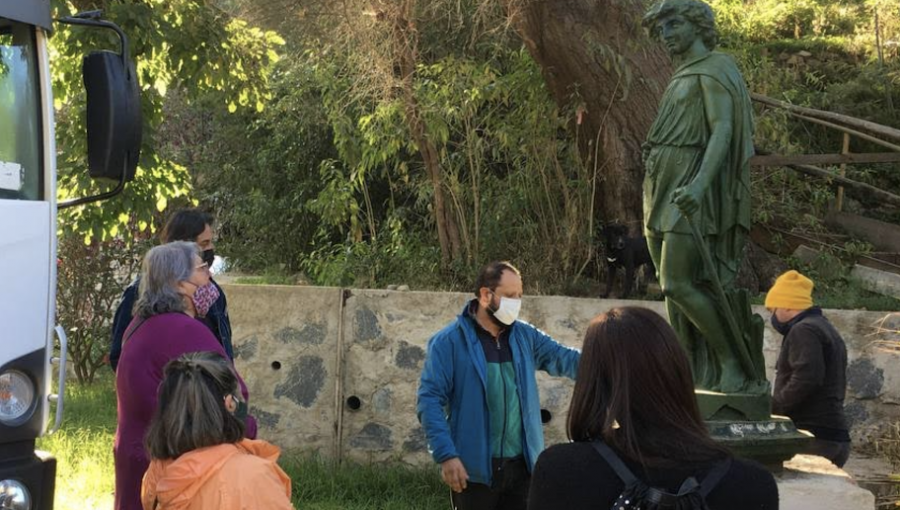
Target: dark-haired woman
(201, 460)
(634, 393)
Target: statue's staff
(739, 344)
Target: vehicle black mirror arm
(95, 198)
(92, 19)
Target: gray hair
(164, 267)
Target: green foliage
(509, 165)
(758, 21)
(91, 278)
(819, 54)
(257, 171)
(175, 43)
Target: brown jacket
(241, 476)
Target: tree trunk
(596, 57)
(405, 38)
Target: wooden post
(839, 199)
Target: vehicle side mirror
(114, 121)
(113, 116)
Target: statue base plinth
(716, 406)
(744, 424)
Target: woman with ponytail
(200, 458)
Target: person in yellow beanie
(810, 380)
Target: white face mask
(508, 311)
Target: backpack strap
(714, 476)
(615, 462)
(657, 496)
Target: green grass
(85, 473)
(272, 279)
(321, 485)
(83, 446)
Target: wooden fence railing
(884, 136)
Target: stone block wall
(336, 371)
(285, 350)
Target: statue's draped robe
(677, 142)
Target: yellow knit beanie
(791, 290)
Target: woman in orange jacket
(200, 459)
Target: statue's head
(667, 21)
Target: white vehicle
(28, 226)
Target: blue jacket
(452, 403)
(216, 319)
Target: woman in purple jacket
(164, 327)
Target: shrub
(91, 278)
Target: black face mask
(785, 327)
(208, 256)
(782, 327)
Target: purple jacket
(151, 346)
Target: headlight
(14, 495)
(16, 399)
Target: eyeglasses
(202, 267)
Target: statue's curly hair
(697, 12)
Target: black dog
(623, 251)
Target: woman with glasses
(201, 460)
(164, 327)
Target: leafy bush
(91, 278)
(257, 171)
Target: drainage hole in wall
(546, 416)
(353, 402)
(276, 365)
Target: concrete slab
(814, 483)
(284, 349)
(876, 280)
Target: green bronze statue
(697, 201)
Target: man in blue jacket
(478, 396)
(184, 225)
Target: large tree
(604, 73)
(596, 58)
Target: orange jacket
(241, 476)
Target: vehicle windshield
(20, 113)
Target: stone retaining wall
(336, 371)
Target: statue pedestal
(744, 424)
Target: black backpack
(640, 496)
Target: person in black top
(811, 371)
(212, 307)
(635, 393)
